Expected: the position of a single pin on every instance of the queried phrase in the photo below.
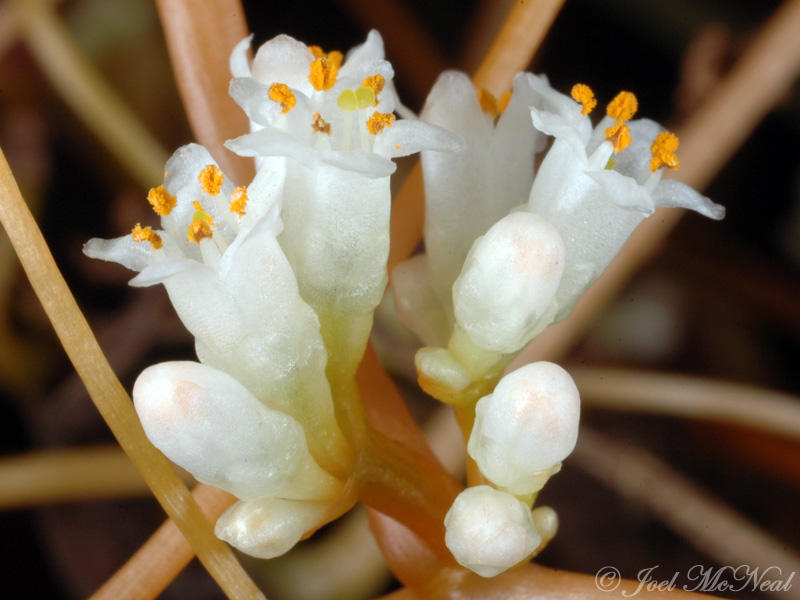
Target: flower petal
(670, 192)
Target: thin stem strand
(68, 475)
(732, 403)
(200, 38)
(82, 88)
(107, 393)
(148, 572)
(708, 523)
(512, 50)
(708, 138)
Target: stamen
(161, 201)
(663, 149)
(488, 102)
(375, 83)
(320, 125)
(365, 97)
(201, 225)
(623, 106)
(502, 103)
(619, 134)
(146, 234)
(378, 121)
(324, 68)
(583, 93)
(210, 179)
(280, 93)
(239, 201)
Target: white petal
(336, 235)
(489, 531)
(122, 250)
(239, 62)
(527, 425)
(408, 136)
(159, 272)
(275, 142)
(670, 192)
(208, 423)
(624, 191)
(284, 60)
(269, 527)
(634, 161)
(253, 97)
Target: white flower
(489, 531)
(467, 191)
(596, 190)
(333, 121)
(230, 283)
(526, 427)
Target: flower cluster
(278, 280)
(275, 280)
(507, 252)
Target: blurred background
(721, 299)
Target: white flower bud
(489, 531)
(269, 527)
(509, 278)
(527, 426)
(208, 423)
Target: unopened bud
(489, 531)
(526, 427)
(508, 281)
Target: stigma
(146, 234)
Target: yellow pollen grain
(210, 179)
(583, 93)
(146, 234)
(324, 68)
(378, 121)
(488, 102)
(375, 83)
(161, 201)
(619, 134)
(320, 125)
(502, 103)
(663, 149)
(623, 106)
(280, 93)
(239, 201)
